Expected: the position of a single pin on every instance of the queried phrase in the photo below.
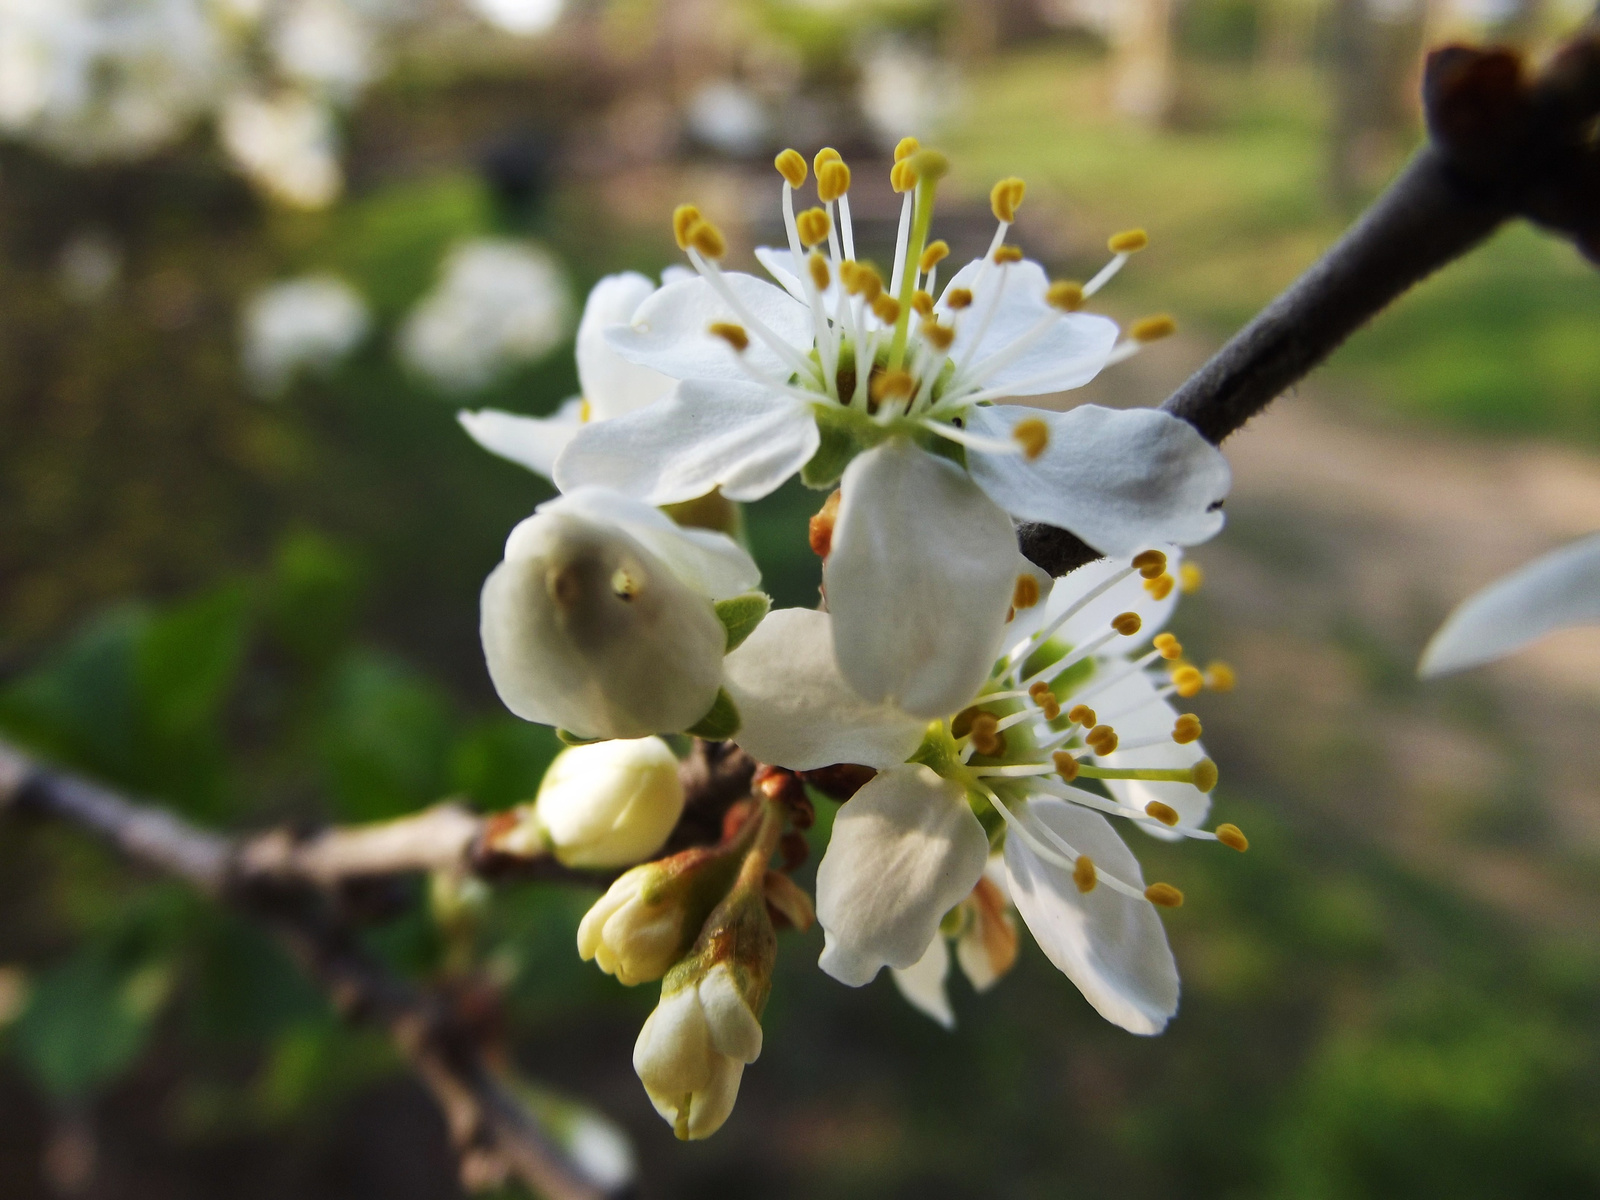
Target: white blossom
(611, 803)
(522, 17)
(286, 144)
(692, 1052)
(308, 323)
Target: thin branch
(1501, 145)
(486, 1121)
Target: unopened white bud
(637, 930)
(692, 1051)
(610, 804)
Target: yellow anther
(1050, 706)
(1083, 874)
(1188, 681)
(1065, 294)
(1127, 624)
(935, 254)
(1153, 329)
(887, 308)
(1008, 254)
(957, 298)
(936, 335)
(707, 238)
(1033, 435)
(791, 165)
(826, 155)
(833, 181)
(902, 176)
(684, 218)
(1129, 241)
(986, 738)
(1186, 729)
(1066, 765)
(1164, 894)
(1150, 564)
(1164, 813)
(1204, 774)
(1081, 714)
(861, 280)
(1102, 739)
(1041, 687)
(905, 148)
(1233, 837)
(1169, 646)
(585, 413)
(1160, 587)
(818, 266)
(1006, 197)
(1190, 578)
(1025, 595)
(813, 226)
(895, 385)
(929, 165)
(922, 303)
(1220, 677)
(733, 334)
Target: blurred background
(254, 254)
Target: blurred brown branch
(492, 1130)
(1503, 143)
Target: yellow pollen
(1164, 894)
(1025, 595)
(707, 238)
(1051, 707)
(1033, 435)
(1204, 774)
(826, 155)
(867, 283)
(1188, 681)
(585, 413)
(1102, 739)
(1233, 837)
(1081, 714)
(1065, 294)
(1008, 254)
(1127, 624)
(935, 254)
(684, 218)
(1153, 329)
(1066, 765)
(791, 165)
(623, 585)
(905, 148)
(1129, 241)
(929, 165)
(733, 334)
(1041, 687)
(1168, 645)
(1190, 578)
(1150, 563)
(922, 303)
(1164, 813)
(1186, 729)
(887, 308)
(892, 385)
(938, 336)
(986, 737)
(902, 176)
(1160, 587)
(818, 266)
(1220, 677)
(833, 181)
(958, 298)
(813, 226)
(1083, 874)
(1006, 197)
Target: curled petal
(923, 983)
(668, 331)
(1121, 479)
(611, 384)
(532, 442)
(905, 850)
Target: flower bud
(610, 803)
(585, 628)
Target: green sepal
(845, 432)
(721, 723)
(568, 738)
(741, 614)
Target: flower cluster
(983, 723)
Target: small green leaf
(721, 723)
(741, 614)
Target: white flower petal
(923, 983)
(1118, 478)
(919, 580)
(1554, 591)
(741, 437)
(611, 384)
(1152, 716)
(709, 562)
(668, 331)
(1112, 946)
(905, 850)
(734, 1028)
(797, 710)
(532, 442)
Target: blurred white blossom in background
(326, 43)
(728, 117)
(499, 302)
(305, 324)
(904, 89)
(523, 17)
(286, 145)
